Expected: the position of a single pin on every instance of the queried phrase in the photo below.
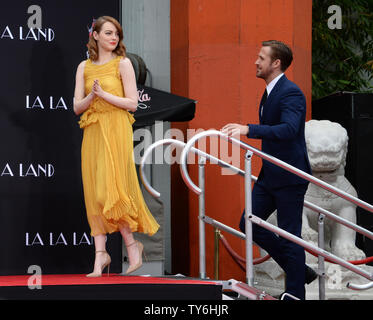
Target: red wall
(214, 45)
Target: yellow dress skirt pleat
(112, 193)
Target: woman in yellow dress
(105, 92)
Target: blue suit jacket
(281, 129)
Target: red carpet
(81, 279)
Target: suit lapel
(272, 97)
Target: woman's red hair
(120, 50)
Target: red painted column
(214, 45)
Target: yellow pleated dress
(112, 193)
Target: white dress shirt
(269, 89)
(273, 83)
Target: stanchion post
(201, 218)
(321, 259)
(216, 253)
(248, 223)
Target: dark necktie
(264, 97)
(263, 101)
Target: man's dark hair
(281, 51)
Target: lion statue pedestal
(327, 148)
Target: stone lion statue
(327, 149)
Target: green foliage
(342, 59)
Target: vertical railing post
(216, 253)
(321, 259)
(201, 218)
(248, 223)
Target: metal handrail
(261, 154)
(213, 222)
(179, 143)
(251, 150)
(224, 164)
(360, 286)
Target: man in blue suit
(282, 114)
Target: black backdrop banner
(42, 213)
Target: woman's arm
(81, 103)
(129, 102)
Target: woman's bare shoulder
(125, 62)
(82, 64)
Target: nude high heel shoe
(140, 247)
(103, 266)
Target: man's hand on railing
(232, 129)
